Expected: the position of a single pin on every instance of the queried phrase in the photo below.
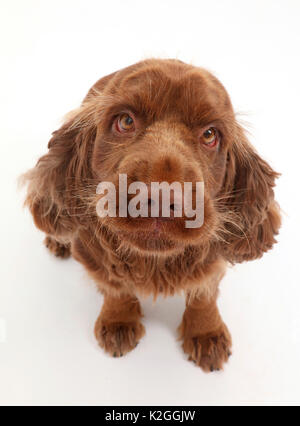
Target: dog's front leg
(206, 338)
(119, 328)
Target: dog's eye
(210, 137)
(125, 123)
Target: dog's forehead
(168, 77)
(169, 85)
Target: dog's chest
(166, 276)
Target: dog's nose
(161, 206)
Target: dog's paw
(118, 338)
(210, 351)
(58, 249)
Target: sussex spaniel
(156, 121)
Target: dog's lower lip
(154, 232)
(157, 223)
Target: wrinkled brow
(190, 99)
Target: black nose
(158, 207)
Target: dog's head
(164, 121)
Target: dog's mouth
(155, 239)
(162, 234)
(151, 235)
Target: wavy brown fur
(172, 102)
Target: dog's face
(163, 121)
(158, 121)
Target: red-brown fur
(171, 101)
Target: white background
(51, 53)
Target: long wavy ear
(58, 186)
(54, 184)
(248, 194)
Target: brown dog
(156, 121)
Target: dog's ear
(248, 194)
(58, 184)
(52, 196)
